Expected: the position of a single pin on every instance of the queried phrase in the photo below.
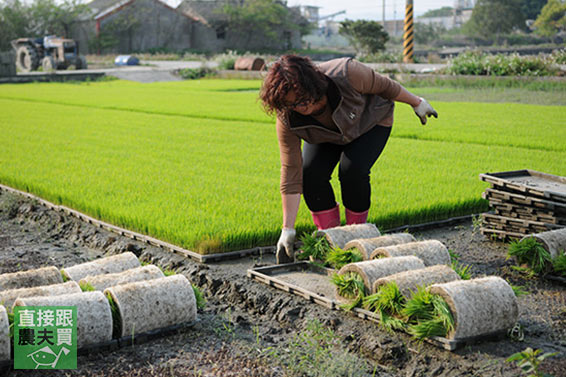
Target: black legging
(356, 160)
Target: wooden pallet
(271, 275)
(530, 216)
(503, 197)
(525, 211)
(500, 234)
(529, 183)
(516, 225)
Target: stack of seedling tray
(523, 202)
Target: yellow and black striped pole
(408, 34)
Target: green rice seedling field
(196, 163)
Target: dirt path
(249, 329)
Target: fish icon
(46, 357)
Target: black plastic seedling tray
(529, 182)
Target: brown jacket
(360, 99)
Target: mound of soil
(247, 328)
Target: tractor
(50, 52)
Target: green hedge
(477, 63)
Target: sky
(371, 9)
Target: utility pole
(408, 33)
(384, 14)
(394, 18)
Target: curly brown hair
(291, 73)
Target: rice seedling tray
(315, 284)
(529, 182)
(312, 282)
(206, 258)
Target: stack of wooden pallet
(523, 202)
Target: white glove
(424, 110)
(285, 245)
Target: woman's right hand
(285, 246)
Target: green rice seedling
(388, 298)
(351, 286)
(116, 318)
(86, 287)
(150, 186)
(168, 271)
(313, 246)
(390, 323)
(519, 290)
(388, 302)
(463, 270)
(201, 302)
(525, 272)
(428, 315)
(559, 264)
(426, 329)
(453, 255)
(529, 251)
(338, 258)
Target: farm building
(208, 12)
(137, 25)
(125, 26)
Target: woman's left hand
(424, 110)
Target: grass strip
(486, 82)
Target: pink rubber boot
(327, 219)
(356, 217)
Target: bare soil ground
(249, 329)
